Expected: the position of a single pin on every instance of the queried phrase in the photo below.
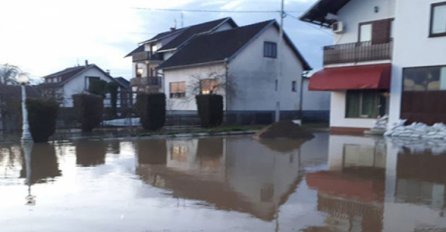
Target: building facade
(378, 64)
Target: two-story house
(258, 72)
(387, 59)
(62, 85)
(151, 53)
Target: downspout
(226, 64)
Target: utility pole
(279, 57)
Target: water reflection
(90, 152)
(42, 163)
(331, 183)
(228, 173)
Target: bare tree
(8, 74)
(214, 83)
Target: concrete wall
(255, 77)
(337, 114)
(412, 46)
(358, 11)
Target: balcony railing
(142, 56)
(357, 52)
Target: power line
(212, 11)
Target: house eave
(193, 65)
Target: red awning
(375, 76)
(343, 185)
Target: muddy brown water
(330, 183)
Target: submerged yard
(330, 183)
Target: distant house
(64, 84)
(244, 64)
(388, 59)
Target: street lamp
(23, 80)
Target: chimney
(107, 71)
(172, 29)
(86, 62)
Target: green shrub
(151, 109)
(89, 109)
(98, 87)
(210, 109)
(42, 115)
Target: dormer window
(438, 20)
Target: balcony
(143, 56)
(357, 52)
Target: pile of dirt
(284, 130)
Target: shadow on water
(90, 153)
(227, 173)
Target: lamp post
(23, 80)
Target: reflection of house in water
(416, 196)
(229, 173)
(352, 190)
(372, 185)
(90, 152)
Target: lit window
(438, 19)
(208, 86)
(270, 49)
(177, 89)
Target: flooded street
(330, 183)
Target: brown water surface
(330, 183)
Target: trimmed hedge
(151, 109)
(89, 109)
(42, 115)
(210, 109)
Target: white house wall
(337, 114)
(412, 45)
(255, 77)
(358, 11)
(189, 75)
(315, 100)
(78, 84)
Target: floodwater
(331, 183)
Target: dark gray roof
(140, 48)
(317, 14)
(124, 83)
(69, 73)
(191, 31)
(221, 45)
(183, 34)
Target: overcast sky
(46, 36)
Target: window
(276, 85)
(365, 32)
(425, 78)
(208, 86)
(177, 89)
(365, 104)
(293, 86)
(438, 19)
(375, 32)
(270, 49)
